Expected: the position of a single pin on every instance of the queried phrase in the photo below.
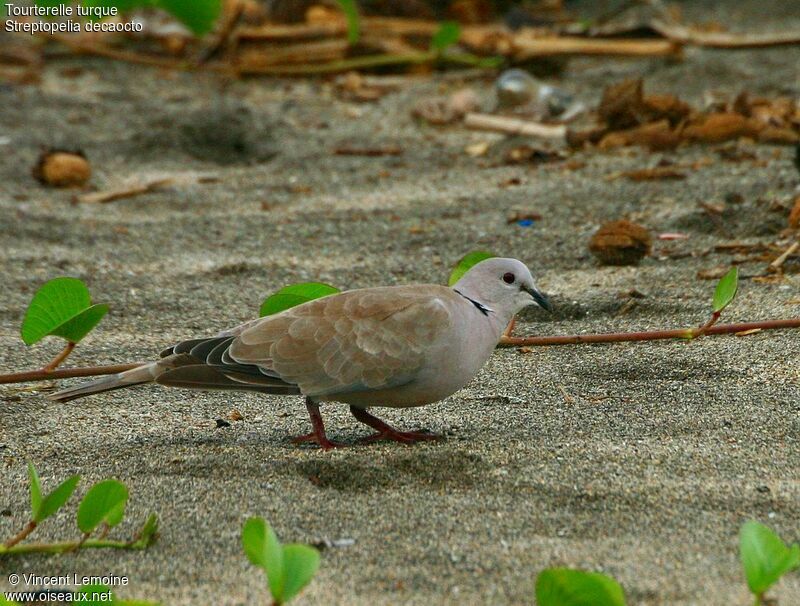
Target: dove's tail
(146, 373)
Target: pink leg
(318, 434)
(386, 431)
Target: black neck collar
(481, 307)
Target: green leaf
(567, 587)
(295, 294)
(5, 602)
(264, 550)
(81, 325)
(466, 262)
(104, 503)
(61, 307)
(301, 563)
(350, 10)
(765, 558)
(36, 490)
(56, 499)
(148, 534)
(446, 36)
(726, 289)
(198, 15)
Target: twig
(65, 546)
(65, 373)
(82, 47)
(776, 264)
(125, 192)
(388, 150)
(364, 62)
(529, 47)
(514, 126)
(29, 527)
(686, 35)
(223, 36)
(654, 335)
(55, 362)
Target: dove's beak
(540, 298)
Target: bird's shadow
(355, 468)
(443, 467)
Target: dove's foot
(322, 440)
(318, 434)
(386, 431)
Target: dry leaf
(715, 273)
(715, 128)
(620, 243)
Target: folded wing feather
(358, 340)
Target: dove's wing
(359, 340)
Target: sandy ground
(638, 460)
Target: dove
(393, 346)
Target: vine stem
(652, 335)
(55, 362)
(65, 373)
(710, 328)
(29, 527)
(66, 546)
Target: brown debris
(621, 106)
(651, 174)
(656, 136)
(661, 122)
(61, 168)
(386, 150)
(723, 126)
(621, 243)
(445, 110)
(715, 273)
(624, 105)
(526, 154)
(794, 214)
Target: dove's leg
(386, 431)
(318, 433)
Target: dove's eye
(508, 278)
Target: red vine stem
(654, 335)
(55, 362)
(29, 528)
(710, 328)
(65, 373)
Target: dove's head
(505, 286)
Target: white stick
(514, 126)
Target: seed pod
(61, 168)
